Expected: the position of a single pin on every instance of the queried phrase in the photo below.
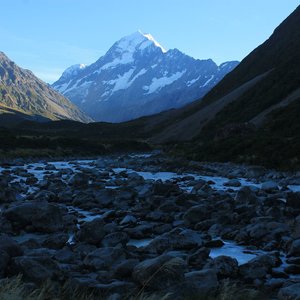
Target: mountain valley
(179, 179)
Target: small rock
(214, 244)
(233, 183)
(128, 220)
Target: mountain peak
(138, 41)
(152, 39)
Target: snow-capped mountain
(138, 77)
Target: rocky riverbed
(122, 225)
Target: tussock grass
(169, 268)
(16, 289)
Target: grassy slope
(277, 142)
(22, 91)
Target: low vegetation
(16, 289)
(27, 144)
(275, 145)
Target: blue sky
(47, 36)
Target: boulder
(159, 273)
(259, 267)
(4, 260)
(128, 220)
(295, 248)
(293, 200)
(56, 241)
(224, 266)
(91, 232)
(104, 258)
(269, 186)
(290, 292)
(196, 214)
(256, 171)
(36, 269)
(246, 196)
(10, 246)
(233, 183)
(198, 283)
(113, 288)
(38, 215)
(198, 258)
(199, 184)
(125, 268)
(66, 256)
(165, 189)
(115, 238)
(292, 269)
(79, 180)
(217, 243)
(176, 239)
(7, 194)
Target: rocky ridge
(24, 95)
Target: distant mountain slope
(23, 95)
(138, 77)
(250, 93)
